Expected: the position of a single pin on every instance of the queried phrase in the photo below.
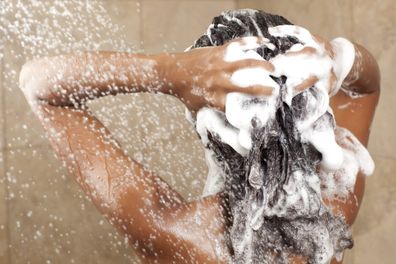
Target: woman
(161, 226)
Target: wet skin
(161, 226)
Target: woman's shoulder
(355, 112)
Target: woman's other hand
(312, 60)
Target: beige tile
(375, 230)
(379, 198)
(2, 136)
(50, 220)
(171, 145)
(153, 129)
(383, 139)
(125, 15)
(326, 18)
(253, 4)
(374, 24)
(101, 24)
(122, 114)
(3, 202)
(377, 245)
(3, 214)
(174, 25)
(22, 127)
(348, 257)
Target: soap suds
(344, 58)
(264, 151)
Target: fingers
(248, 43)
(307, 83)
(256, 90)
(218, 99)
(304, 51)
(215, 100)
(220, 103)
(326, 44)
(248, 77)
(333, 87)
(243, 48)
(252, 63)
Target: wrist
(167, 72)
(176, 71)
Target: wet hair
(265, 226)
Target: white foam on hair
(344, 58)
(259, 32)
(244, 48)
(234, 127)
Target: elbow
(28, 83)
(365, 76)
(370, 75)
(36, 83)
(25, 79)
(377, 77)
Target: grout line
(141, 43)
(4, 152)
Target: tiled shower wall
(44, 217)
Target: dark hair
(255, 183)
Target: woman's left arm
(156, 219)
(140, 204)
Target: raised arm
(72, 79)
(156, 219)
(199, 78)
(354, 105)
(133, 199)
(354, 108)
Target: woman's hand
(202, 77)
(311, 60)
(352, 67)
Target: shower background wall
(45, 218)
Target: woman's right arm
(354, 108)
(156, 219)
(354, 105)
(199, 78)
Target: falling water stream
(45, 208)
